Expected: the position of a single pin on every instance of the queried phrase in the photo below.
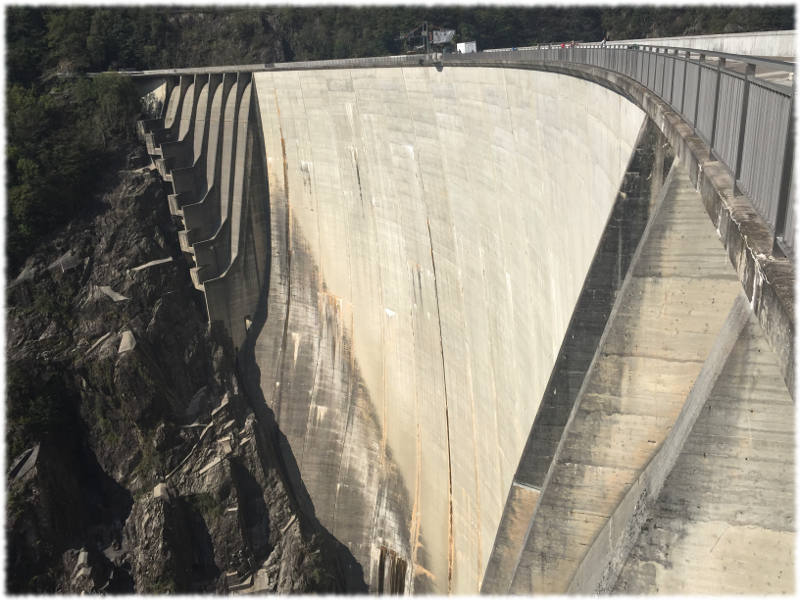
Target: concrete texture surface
(724, 522)
(671, 308)
(603, 561)
(639, 191)
(419, 290)
(510, 537)
(766, 277)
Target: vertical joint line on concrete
(450, 545)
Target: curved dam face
(430, 233)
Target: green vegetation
(60, 135)
(38, 402)
(208, 506)
(150, 466)
(63, 129)
(163, 585)
(649, 21)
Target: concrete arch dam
(419, 240)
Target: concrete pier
(209, 149)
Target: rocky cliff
(136, 461)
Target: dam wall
(431, 232)
(406, 253)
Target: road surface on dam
(431, 230)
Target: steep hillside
(139, 463)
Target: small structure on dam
(523, 326)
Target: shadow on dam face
(394, 553)
(349, 569)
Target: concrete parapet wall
(670, 308)
(760, 43)
(639, 191)
(724, 521)
(600, 567)
(420, 289)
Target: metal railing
(746, 120)
(403, 60)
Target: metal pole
(697, 95)
(786, 178)
(750, 70)
(672, 62)
(683, 88)
(720, 65)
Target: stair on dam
(667, 316)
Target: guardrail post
(629, 59)
(784, 191)
(663, 71)
(683, 87)
(639, 64)
(750, 71)
(720, 66)
(697, 95)
(673, 61)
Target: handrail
(746, 121)
(401, 60)
(756, 60)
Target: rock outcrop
(142, 466)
